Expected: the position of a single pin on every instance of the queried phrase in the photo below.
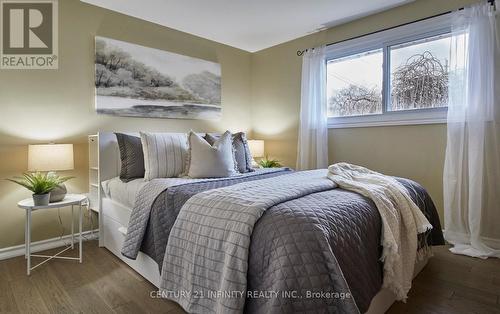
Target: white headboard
(109, 155)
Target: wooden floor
(454, 284)
(103, 284)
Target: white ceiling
(250, 25)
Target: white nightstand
(69, 200)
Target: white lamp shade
(256, 148)
(50, 157)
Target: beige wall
(415, 152)
(39, 106)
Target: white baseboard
(43, 245)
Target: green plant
(269, 163)
(38, 182)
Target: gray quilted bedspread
(317, 253)
(297, 245)
(158, 204)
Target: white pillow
(210, 161)
(164, 154)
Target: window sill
(433, 116)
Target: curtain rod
(301, 52)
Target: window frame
(432, 27)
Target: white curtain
(313, 129)
(472, 166)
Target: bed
(145, 253)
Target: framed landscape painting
(137, 81)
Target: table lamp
(51, 158)
(257, 150)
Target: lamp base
(58, 194)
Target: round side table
(70, 200)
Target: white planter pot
(41, 199)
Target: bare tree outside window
(421, 83)
(355, 100)
(419, 74)
(354, 84)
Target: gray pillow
(131, 156)
(210, 161)
(242, 153)
(164, 154)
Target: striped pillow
(164, 154)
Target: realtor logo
(28, 34)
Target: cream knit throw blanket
(402, 220)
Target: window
(419, 74)
(358, 92)
(399, 76)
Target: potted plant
(269, 163)
(40, 184)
